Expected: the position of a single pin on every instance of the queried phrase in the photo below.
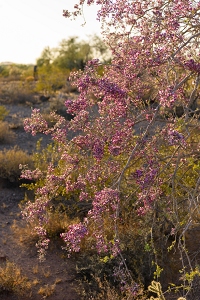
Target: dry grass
(103, 290)
(10, 161)
(35, 281)
(18, 92)
(26, 235)
(35, 269)
(12, 281)
(3, 112)
(58, 223)
(22, 97)
(46, 273)
(47, 290)
(49, 119)
(6, 134)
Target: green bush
(50, 79)
(4, 71)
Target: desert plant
(58, 222)
(10, 161)
(136, 160)
(47, 290)
(21, 97)
(29, 79)
(19, 92)
(50, 79)
(6, 134)
(4, 71)
(25, 232)
(100, 289)
(72, 54)
(14, 72)
(156, 288)
(3, 112)
(12, 281)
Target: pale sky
(28, 26)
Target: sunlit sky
(28, 26)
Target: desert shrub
(19, 92)
(50, 79)
(3, 112)
(10, 161)
(25, 71)
(29, 78)
(64, 208)
(95, 277)
(156, 288)
(131, 226)
(21, 97)
(6, 134)
(100, 289)
(136, 161)
(4, 71)
(14, 72)
(12, 281)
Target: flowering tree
(134, 152)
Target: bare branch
(183, 45)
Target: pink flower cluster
(36, 123)
(106, 202)
(193, 66)
(73, 237)
(175, 138)
(146, 176)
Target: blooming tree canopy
(134, 152)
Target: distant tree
(46, 57)
(4, 71)
(100, 48)
(72, 54)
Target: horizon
(28, 27)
